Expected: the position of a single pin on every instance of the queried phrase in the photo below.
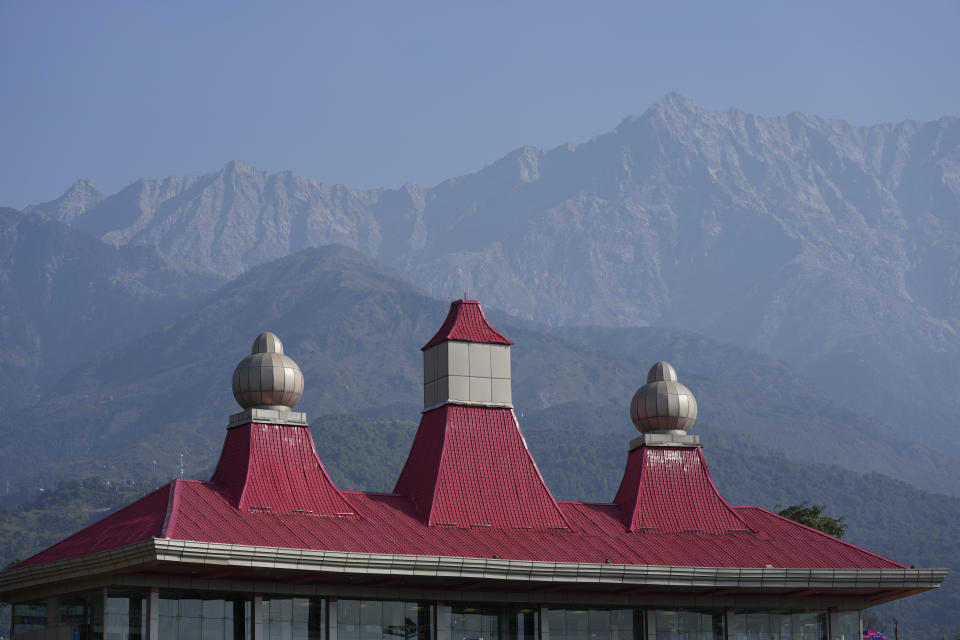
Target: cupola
(467, 361)
(269, 463)
(666, 486)
(469, 466)
(267, 384)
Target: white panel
(443, 368)
(442, 390)
(457, 359)
(479, 360)
(501, 392)
(430, 394)
(430, 365)
(499, 361)
(479, 389)
(459, 388)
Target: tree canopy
(812, 516)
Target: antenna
(181, 464)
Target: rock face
(834, 247)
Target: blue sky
(378, 94)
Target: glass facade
(765, 625)
(849, 625)
(122, 614)
(383, 620)
(126, 615)
(293, 618)
(206, 616)
(682, 624)
(493, 622)
(28, 616)
(83, 613)
(595, 624)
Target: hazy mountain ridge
(356, 327)
(66, 297)
(832, 246)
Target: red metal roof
(470, 467)
(669, 489)
(270, 467)
(392, 524)
(144, 519)
(466, 323)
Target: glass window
(83, 613)
(186, 615)
(28, 616)
(594, 624)
(290, 618)
(849, 623)
(492, 622)
(772, 625)
(382, 620)
(126, 614)
(680, 624)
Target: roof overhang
(877, 584)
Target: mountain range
(356, 327)
(833, 247)
(802, 274)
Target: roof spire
(467, 361)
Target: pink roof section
(669, 490)
(466, 323)
(469, 488)
(470, 467)
(394, 524)
(270, 467)
(144, 519)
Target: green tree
(812, 516)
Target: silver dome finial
(267, 379)
(663, 405)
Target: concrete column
(730, 624)
(53, 612)
(544, 622)
(443, 621)
(651, 623)
(833, 621)
(332, 619)
(256, 617)
(106, 612)
(152, 613)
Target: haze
(379, 94)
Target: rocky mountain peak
(81, 196)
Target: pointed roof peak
(466, 322)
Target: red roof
(466, 323)
(393, 524)
(270, 467)
(144, 519)
(669, 489)
(470, 467)
(470, 488)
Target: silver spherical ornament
(663, 404)
(267, 379)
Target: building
(471, 544)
